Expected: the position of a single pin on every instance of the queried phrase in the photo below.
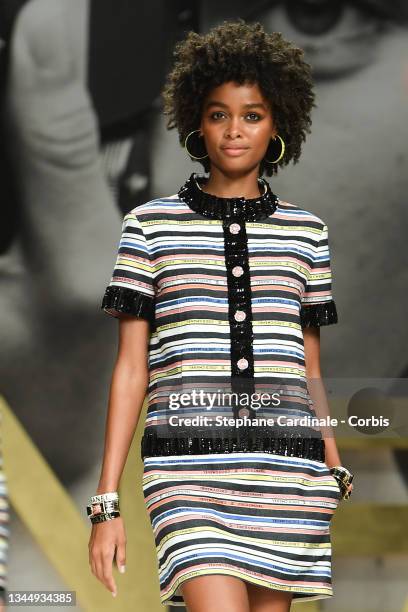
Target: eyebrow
(223, 105)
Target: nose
(233, 129)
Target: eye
(253, 116)
(337, 37)
(217, 115)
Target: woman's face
(237, 126)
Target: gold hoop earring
(281, 153)
(185, 146)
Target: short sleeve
(131, 288)
(317, 305)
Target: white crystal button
(240, 315)
(242, 363)
(237, 270)
(243, 412)
(234, 228)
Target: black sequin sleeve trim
(315, 315)
(129, 301)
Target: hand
(350, 488)
(342, 475)
(106, 538)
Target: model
(220, 291)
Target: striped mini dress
(260, 517)
(234, 474)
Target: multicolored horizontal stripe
(174, 255)
(260, 517)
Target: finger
(92, 561)
(90, 558)
(107, 559)
(121, 557)
(98, 567)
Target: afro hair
(242, 53)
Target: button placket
(240, 312)
(234, 212)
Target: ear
(274, 130)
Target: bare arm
(311, 337)
(127, 393)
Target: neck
(224, 186)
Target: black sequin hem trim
(128, 301)
(316, 315)
(293, 446)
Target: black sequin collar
(212, 206)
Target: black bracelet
(104, 516)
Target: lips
(234, 150)
(237, 147)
